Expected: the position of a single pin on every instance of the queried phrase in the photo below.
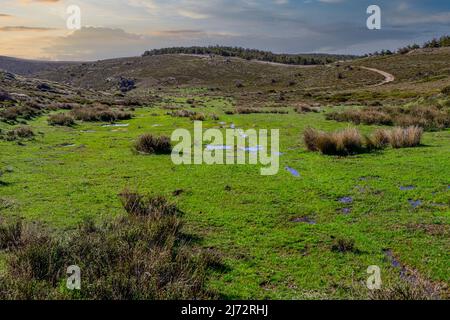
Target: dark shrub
(446, 91)
(150, 144)
(343, 245)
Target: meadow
(311, 236)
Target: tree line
(253, 54)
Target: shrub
(61, 119)
(183, 113)
(310, 137)
(150, 144)
(133, 257)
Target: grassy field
(276, 233)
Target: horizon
(36, 29)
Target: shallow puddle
(346, 200)
(115, 125)
(415, 203)
(304, 220)
(292, 171)
(407, 188)
(211, 147)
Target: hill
(28, 67)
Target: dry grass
(21, 132)
(405, 137)
(430, 118)
(345, 142)
(150, 144)
(100, 114)
(61, 119)
(141, 256)
(253, 110)
(350, 141)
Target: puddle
(222, 123)
(211, 147)
(278, 154)
(407, 188)
(304, 220)
(346, 200)
(88, 131)
(292, 171)
(252, 149)
(415, 203)
(448, 187)
(233, 126)
(120, 125)
(157, 125)
(66, 145)
(346, 210)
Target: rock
(126, 85)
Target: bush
(133, 257)
(198, 117)
(61, 119)
(150, 144)
(380, 139)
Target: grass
(141, 256)
(243, 215)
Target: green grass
(67, 174)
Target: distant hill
(28, 67)
(253, 54)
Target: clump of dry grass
(198, 117)
(429, 118)
(305, 108)
(150, 144)
(405, 137)
(21, 132)
(183, 113)
(349, 141)
(345, 142)
(100, 114)
(61, 119)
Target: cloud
(23, 28)
(4, 15)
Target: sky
(37, 29)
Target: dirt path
(388, 77)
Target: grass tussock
(100, 114)
(350, 141)
(141, 256)
(61, 119)
(150, 144)
(344, 142)
(21, 132)
(429, 118)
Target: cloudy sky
(116, 28)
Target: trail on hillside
(388, 77)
